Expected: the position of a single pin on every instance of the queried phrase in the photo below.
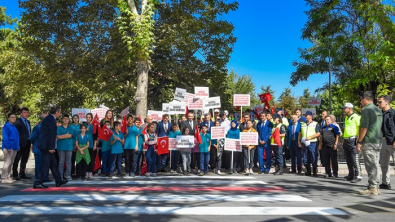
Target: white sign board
(195, 104)
(188, 96)
(172, 144)
(156, 115)
(232, 145)
(313, 110)
(201, 92)
(179, 94)
(218, 132)
(81, 113)
(314, 101)
(249, 138)
(212, 103)
(100, 112)
(241, 100)
(177, 108)
(166, 108)
(185, 141)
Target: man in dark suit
(46, 145)
(163, 130)
(264, 128)
(24, 129)
(189, 123)
(207, 122)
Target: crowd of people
(69, 148)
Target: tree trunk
(142, 86)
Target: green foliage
(287, 101)
(238, 85)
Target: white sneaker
(251, 172)
(6, 181)
(247, 171)
(147, 174)
(219, 172)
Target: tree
(287, 101)
(303, 100)
(238, 85)
(352, 39)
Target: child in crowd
(117, 141)
(106, 153)
(151, 140)
(175, 154)
(139, 150)
(82, 157)
(204, 150)
(131, 145)
(65, 146)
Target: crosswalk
(165, 195)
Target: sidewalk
(321, 170)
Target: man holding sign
(249, 141)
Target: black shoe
(307, 174)
(293, 171)
(39, 186)
(279, 172)
(335, 175)
(266, 172)
(348, 178)
(300, 173)
(17, 178)
(25, 177)
(259, 172)
(63, 182)
(385, 186)
(315, 175)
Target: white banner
(195, 104)
(156, 115)
(166, 108)
(201, 92)
(188, 96)
(177, 108)
(81, 112)
(259, 108)
(212, 103)
(232, 145)
(185, 141)
(249, 138)
(218, 132)
(173, 144)
(241, 100)
(179, 94)
(314, 101)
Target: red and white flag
(273, 109)
(163, 145)
(197, 134)
(144, 131)
(124, 124)
(96, 123)
(105, 133)
(141, 120)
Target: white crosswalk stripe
(162, 198)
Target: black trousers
(328, 155)
(92, 154)
(195, 163)
(23, 156)
(129, 160)
(240, 160)
(73, 155)
(48, 161)
(352, 157)
(81, 168)
(256, 157)
(213, 158)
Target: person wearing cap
(328, 144)
(351, 131)
(216, 113)
(310, 131)
(264, 129)
(388, 130)
(370, 141)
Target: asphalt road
(210, 198)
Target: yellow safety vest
(309, 130)
(351, 125)
(282, 138)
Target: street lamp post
(330, 84)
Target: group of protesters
(134, 143)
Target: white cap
(348, 105)
(216, 110)
(226, 112)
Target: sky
(268, 36)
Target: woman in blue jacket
(233, 133)
(10, 147)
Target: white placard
(218, 132)
(179, 94)
(81, 112)
(166, 108)
(259, 108)
(313, 110)
(156, 115)
(232, 145)
(177, 108)
(249, 138)
(195, 104)
(188, 96)
(241, 99)
(185, 141)
(212, 103)
(201, 92)
(173, 144)
(314, 101)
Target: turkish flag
(276, 136)
(144, 167)
(285, 113)
(186, 112)
(197, 134)
(96, 123)
(124, 124)
(272, 110)
(144, 131)
(105, 133)
(97, 162)
(265, 98)
(141, 120)
(163, 145)
(238, 107)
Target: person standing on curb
(370, 141)
(388, 130)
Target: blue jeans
(116, 157)
(137, 159)
(150, 156)
(204, 159)
(162, 159)
(261, 149)
(296, 156)
(310, 156)
(106, 161)
(37, 169)
(175, 154)
(278, 154)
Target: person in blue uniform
(106, 153)
(117, 141)
(65, 146)
(175, 154)
(92, 144)
(82, 157)
(151, 150)
(140, 145)
(328, 144)
(204, 150)
(36, 152)
(131, 145)
(75, 125)
(233, 133)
